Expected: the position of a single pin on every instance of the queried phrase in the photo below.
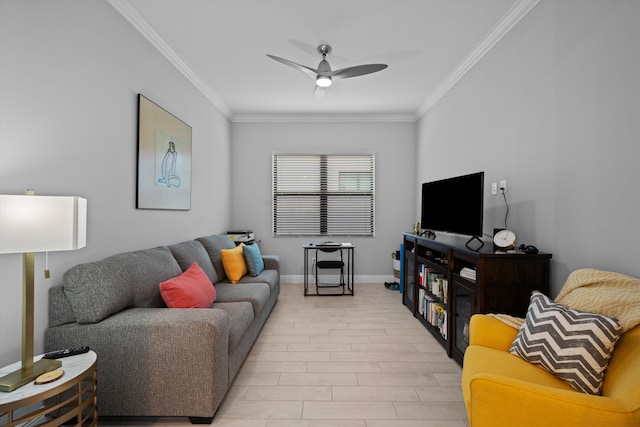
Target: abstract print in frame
(164, 159)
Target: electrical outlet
(494, 188)
(503, 185)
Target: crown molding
(518, 11)
(131, 14)
(324, 118)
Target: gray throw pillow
(573, 345)
(186, 253)
(213, 245)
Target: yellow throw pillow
(234, 264)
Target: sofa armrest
(271, 262)
(488, 331)
(540, 405)
(155, 360)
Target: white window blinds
(323, 195)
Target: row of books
(434, 283)
(433, 311)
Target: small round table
(71, 399)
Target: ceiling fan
(324, 76)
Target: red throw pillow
(191, 289)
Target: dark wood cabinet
(408, 292)
(464, 298)
(446, 283)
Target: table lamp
(29, 224)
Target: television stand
(445, 283)
(471, 240)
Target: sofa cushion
(573, 345)
(483, 360)
(253, 259)
(191, 289)
(255, 293)
(271, 277)
(240, 318)
(234, 264)
(186, 253)
(98, 289)
(213, 245)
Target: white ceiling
(221, 46)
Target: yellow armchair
(501, 389)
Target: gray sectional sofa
(154, 360)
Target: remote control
(66, 352)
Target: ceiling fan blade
(358, 70)
(319, 92)
(307, 70)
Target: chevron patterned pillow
(575, 346)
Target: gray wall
(393, 145)
(553, 109)
(70, 72)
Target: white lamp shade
(42, 223)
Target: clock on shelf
(504, 239)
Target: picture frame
(164, 159)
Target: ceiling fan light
(323, 81)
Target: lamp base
(20, 377)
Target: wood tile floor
(360, 361)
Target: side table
(72, 399)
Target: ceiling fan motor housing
(324, 49)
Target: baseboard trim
(359, 279)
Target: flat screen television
(454, 205)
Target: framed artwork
(164, 159)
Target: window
(323, 195)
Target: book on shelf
(468, 273)
(432, 286)
(445, 290)
(440, 287)
(421, 301)
(435, 314)
(423, 276)
(433, 283)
